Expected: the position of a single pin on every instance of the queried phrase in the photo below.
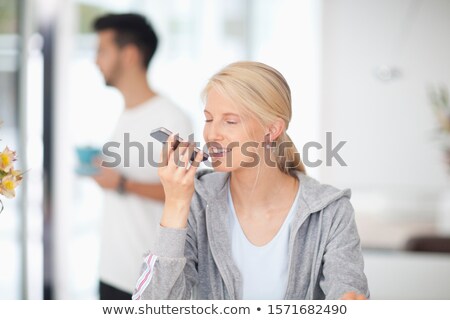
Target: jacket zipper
(291, 251)
(221, 271)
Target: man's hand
(353, 296)
(107, 178)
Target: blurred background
(362, 70)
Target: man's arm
(108, 178)
(153, 191)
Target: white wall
(394, 165)
(286, 35)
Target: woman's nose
(212, 133)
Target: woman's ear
(276, 129)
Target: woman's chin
(223, 169)
(221, 166)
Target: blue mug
(86, 156)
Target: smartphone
(162, 134)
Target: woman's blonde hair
(261, 91)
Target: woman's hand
(353, 296)
(177, 178)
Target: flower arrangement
(9, 177)
(439, 99)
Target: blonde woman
(257, 227)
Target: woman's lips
(218, 152)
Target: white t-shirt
(129, 221)
(264, 269)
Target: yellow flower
(7, 157)
(8, 186)
(18, 175)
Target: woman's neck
(266, 189)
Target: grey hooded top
(325, 259)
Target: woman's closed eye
(226, 121)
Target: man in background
(133, 193)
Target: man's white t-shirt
(129, 221)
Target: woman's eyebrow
(225, 114)
(231, 114)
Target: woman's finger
(164, 159)
(348, 296)
(353, 296)
(168, 148)
(188, 155)
(195, 164)
(182, 155)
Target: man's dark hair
(133, 29)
